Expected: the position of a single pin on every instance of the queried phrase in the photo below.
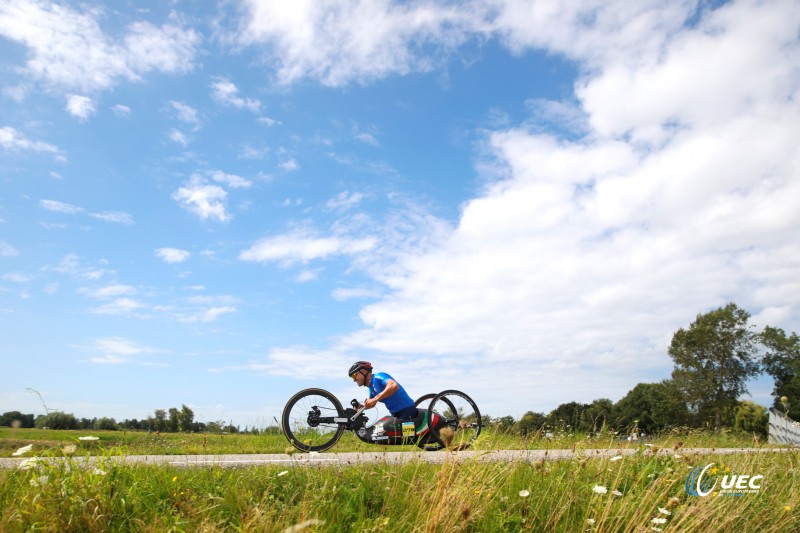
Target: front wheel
(454, 420)
(309, 420)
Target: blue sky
(220, 204)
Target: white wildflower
(38, 481)
(654, 528)
(616, 458)
(599, 489)
(677, 456)
(590, 520)
(524, 493)
(283, 473)
(99, 472)
(22, 451)
(303, 525)
(616, 493)
(664, 511)
(88, 438)
(649, 445)
(659, 520)
(69, 449)
(27, 464)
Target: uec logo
(702, 481)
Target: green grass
(53, 442)
(74, 495)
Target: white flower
(656, 528)
(590, 520)
(88, 438)
(659, 520)
(23, 450)
(663, 511)
(649, 445)
(617, 493)
(616, 458)
(677, 456)
(99, 472)
(69, 449)
(283, 473)
(27, 464)
(38, 481)
(524, 493)
(599, 489)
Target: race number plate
(408, 429)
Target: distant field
(639, 492)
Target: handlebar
(359, 410)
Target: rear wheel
(454, 420)
(308, 420)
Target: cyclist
(383, 388)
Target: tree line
(714, 358)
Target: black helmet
(360, 365)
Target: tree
(185, 418)
(530, 423)
(752, 418)
(160, 421)
(15, 419)
(567, 416)
(714, 358)
(57, 420)
(782, 362)
(651, 407)
(596, 415)
(105, 423)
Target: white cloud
(115, 350)
(67, 48)
(226, 92)
(109, 291)
(80, 106)
(302, 246)
(6, 250)
(11, 139)
(178, 137)
(289, 165)
(202, 199)
(121, 110)
(585, 255)
(338, 41)
(119, 306)
(344, 201)
(342, 294)
(186, 113)
(231, 180)
(117, 217)
(173, 255)
(60, 207)
(17, 277)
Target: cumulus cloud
(68, 49)
(173, 255)
(204, 200)
(81, 107)
(186, 113)
(675, 192)
(231, 180)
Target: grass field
(640, 492)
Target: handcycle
(314, 420)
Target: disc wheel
(454, 420)
(308, 420)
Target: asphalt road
(360, 458)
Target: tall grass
(632, 493)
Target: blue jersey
(396, 402)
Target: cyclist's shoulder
(383, 376)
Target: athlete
(383, 388)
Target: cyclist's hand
(369, 403)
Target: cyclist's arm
(391, 388)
